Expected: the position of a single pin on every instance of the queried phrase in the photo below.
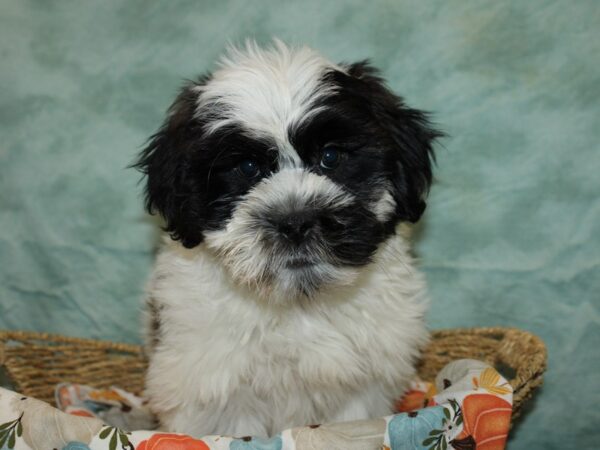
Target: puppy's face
(291, 169)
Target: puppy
(285, 293)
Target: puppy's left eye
(249, 168)
(330, 158)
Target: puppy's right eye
(249, 168)
(330, 158)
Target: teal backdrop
(511, 235)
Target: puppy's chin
(280, 279)
(299, 283)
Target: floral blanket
(468, 407)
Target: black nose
(296, 227)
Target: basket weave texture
(33, 363)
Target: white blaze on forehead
(266, 91)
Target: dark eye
(330, 158)
(249, 168)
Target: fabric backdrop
(511, 235)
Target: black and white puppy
(285, 293)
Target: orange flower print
(106, 395)
(417, 398)
(80, 413)
(164, 441)
(488, 380)
(486, 420)
(411, 400)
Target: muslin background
(511, 234)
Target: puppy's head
(291, 169)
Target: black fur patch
(387, 139)
(192, 179)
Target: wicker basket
(33, 363)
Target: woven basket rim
(540, 356)
(441, 332)
(53, 337)
(538, 359)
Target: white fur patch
(384, 207)
(266, 91)
(228, 364)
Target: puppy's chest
(342, 346)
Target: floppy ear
(411, 135)
(168, 162)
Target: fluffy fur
(285, 293)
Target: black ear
(409, 132)
(168, 162)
